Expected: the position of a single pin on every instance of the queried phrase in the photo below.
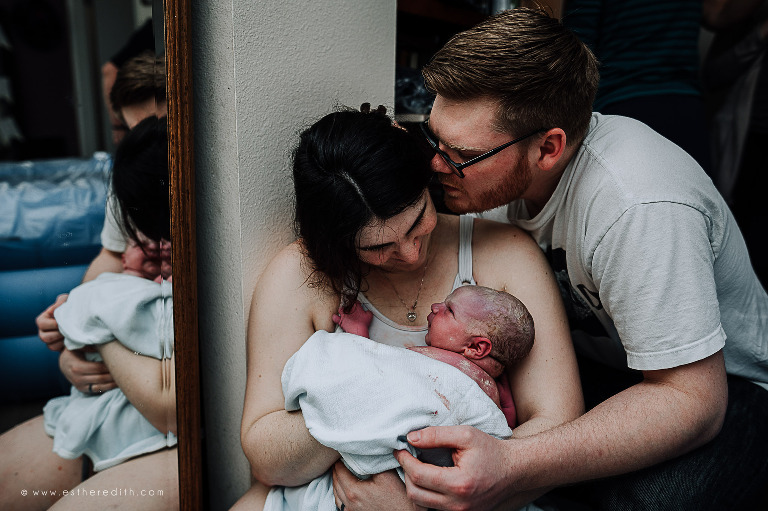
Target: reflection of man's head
(139, 89)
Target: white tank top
(386, 331)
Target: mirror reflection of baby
(478, 330)
(150, 260)
(134, 308)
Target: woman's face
(400, 243)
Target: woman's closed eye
(376, 248)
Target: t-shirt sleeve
(654, 272)
(112, 237)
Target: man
(654, 273)
(141, 40)
(139, 90)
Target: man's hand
(383, 491)
(477, 481)
(86, 376)
(48, 328)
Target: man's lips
(447, 188)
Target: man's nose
(438, 164)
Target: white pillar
(262, 71)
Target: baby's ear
(478, 348)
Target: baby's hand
(356, 322)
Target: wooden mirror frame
(184, 250)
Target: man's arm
(668, 414)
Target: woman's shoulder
(290, 272)
(504, 255)
(290, 259)
(490, 235)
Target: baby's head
(150, 260)
(478, 322)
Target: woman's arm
(148, 383)
(285, 312)
(545, 385)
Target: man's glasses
(458, 168)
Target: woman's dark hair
(140, 180)
(349, 168)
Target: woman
(368, 230)
(148, 478)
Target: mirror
(53, 120)
(181, 163)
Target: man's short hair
(140, 79)
(539, 72)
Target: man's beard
(517, 181)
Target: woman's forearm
(282, 452)
(148, 383)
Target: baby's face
(449, 320)
(153, 261)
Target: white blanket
(358, 396)
(107, 427)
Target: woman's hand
(383, 491)
(86, 376)
(48, 327)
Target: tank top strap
(464, 276)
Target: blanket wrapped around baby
(107, 427)
(360, 398)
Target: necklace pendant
(411, 316)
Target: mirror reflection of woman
(127, 433)
(137, 92)
(368, 230)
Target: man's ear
(478, 348)
(550, 149)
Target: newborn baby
(478, 330)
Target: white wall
(262, 71)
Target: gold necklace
(411, 314)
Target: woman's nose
(409, 251)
